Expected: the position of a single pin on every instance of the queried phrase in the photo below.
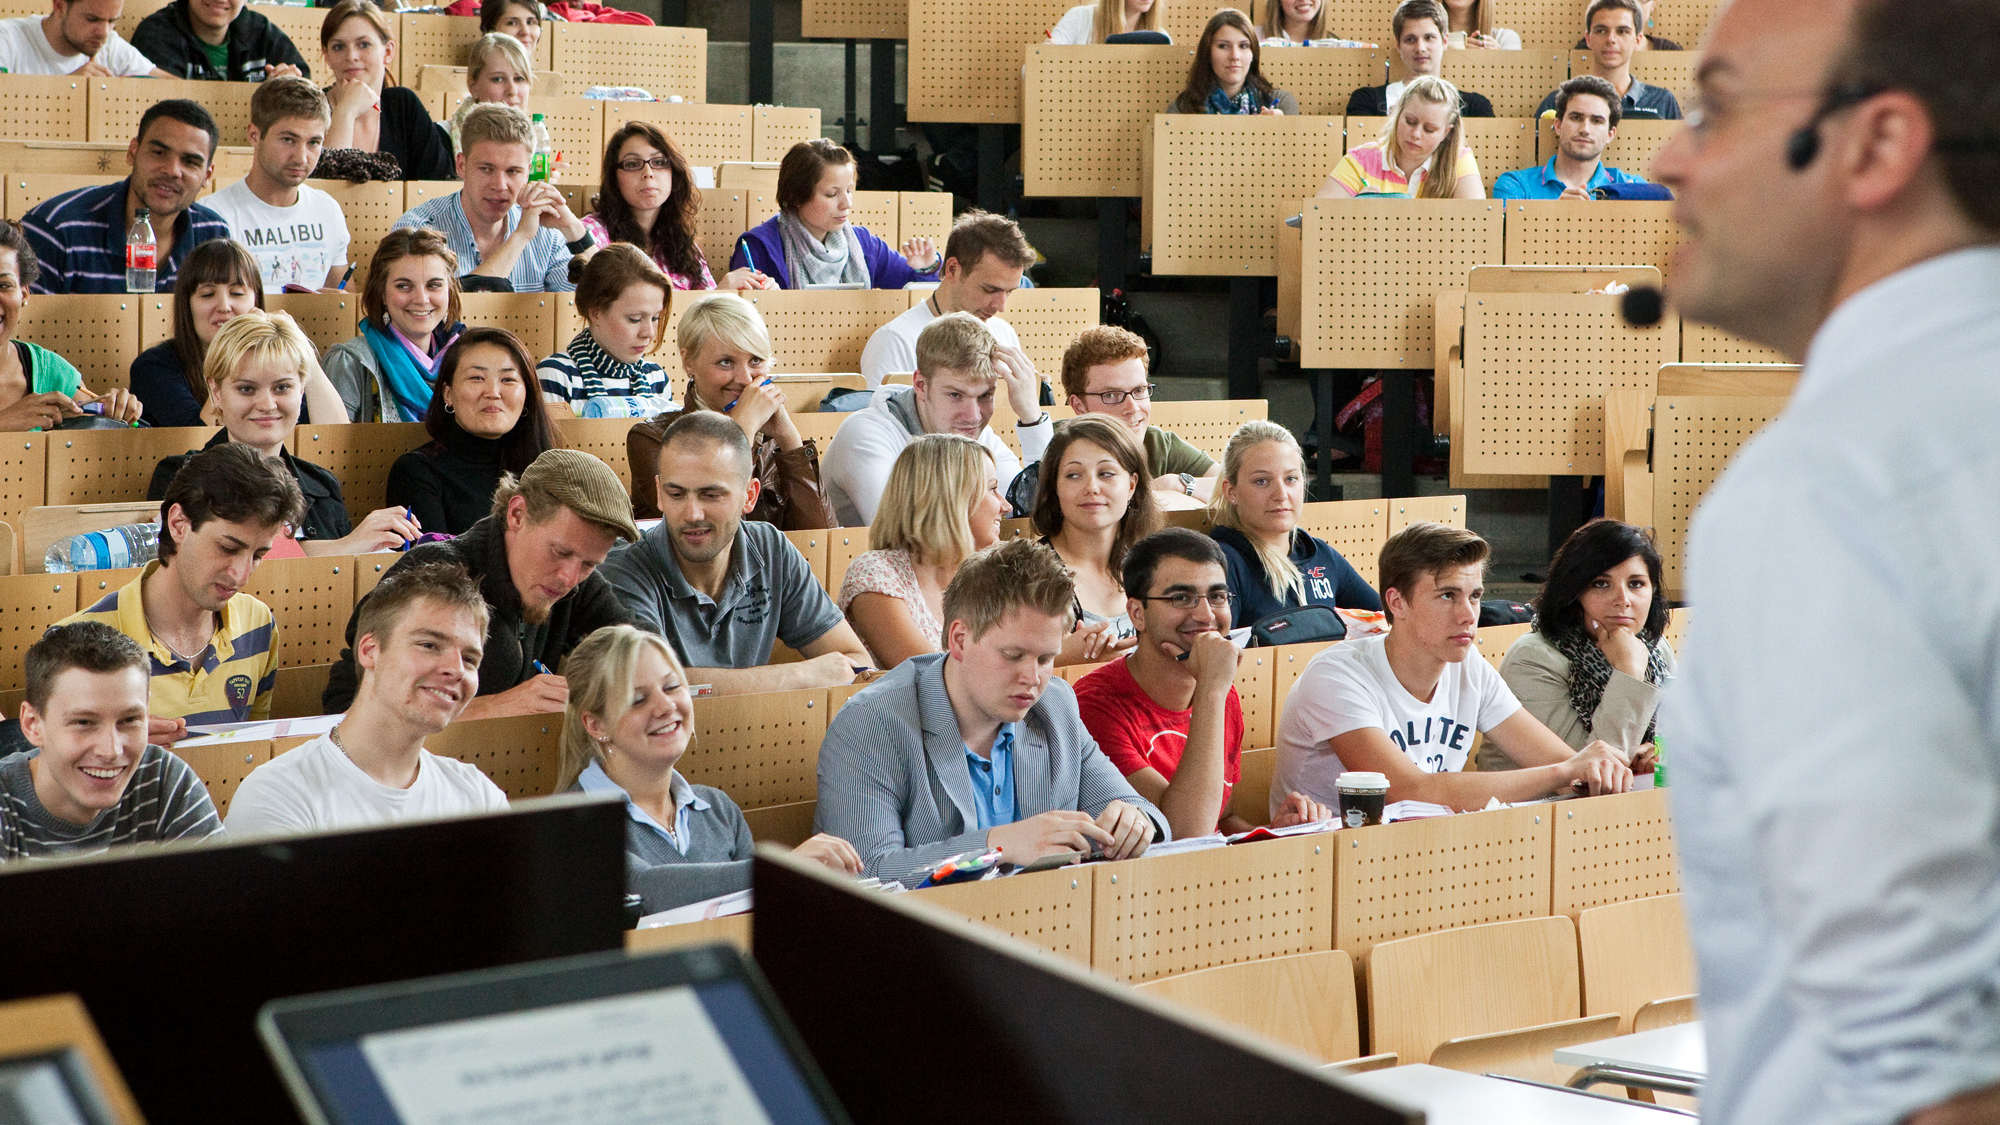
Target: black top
(1330, 580)
(448, 485)
(326, 513)
(162, 389)
(417, 142)
(1656, 42)
(1373, 101)
(513, 644)
(255, 45)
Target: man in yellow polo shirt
(213, 649)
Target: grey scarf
(837, 261)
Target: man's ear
(31, 723)
(459, 163)
(957, 636)
(366, 649)
(750, 494)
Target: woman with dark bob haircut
(810, 242)
(1597, 660)
(486, 417)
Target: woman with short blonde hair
(497, 70)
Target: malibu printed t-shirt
(296, 245)
(1350, 686)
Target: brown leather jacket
(790, 495)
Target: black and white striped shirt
(164, 801)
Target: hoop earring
(448, 409)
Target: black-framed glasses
(1113, 398)
(1188, 599)
(634, 164)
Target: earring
(448, 409)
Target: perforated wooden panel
(1321, 77)
(1253, 690)
(520, 753)
(116, 104)
(707, 135)
(724, 216)
(223, 767)
(1677, 626)
(761, 749)
(325, 318)
(1355, 528)
(301, 26)
(1413, 877)
(824, 330)
(842, 545)
(45, 108)
(776, 128)
(371, 210)
(1685, 21)
(1362, 311)
(602, 437)
(97, 332)
(1703, 344)
(811, 544)
(29, 604)
(1514, 81)
(923, 214)
(1154, 917)
(1670, 70)
(311, 598)
(1590, 233)
(855, 19)
(965, 57)
(423, 191)
(433, 40)
(530, 316)
(659, 60)
(575, 125)
(1050, 909)
(360, 456)
(1614, 848)
(1543, 23)
(24, 469)
(1494, 640)
(1288, 662)
(1205, 425)
(1047, 320)
(1694, 437)
(1085, 111)
(25, 190)
(1537, 366)
(1223, 185)
(1447, 510)
(92, 585)
(106, 466)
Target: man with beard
(78, 37)
(535, 559)
(79, 236)
(721, 588)
(295, 231)
(1587, 113)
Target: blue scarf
(1243, 102)
(407, 373)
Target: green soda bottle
(538, 164)
(1659, 762)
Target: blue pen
(347, 277)
(540, 668)
(768, 380)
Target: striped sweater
(163, 801)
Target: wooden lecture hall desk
(1453, 1097)
(1670, 1059)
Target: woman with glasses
(1274, 564)
(1091, 506)
(649, 200)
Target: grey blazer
(893, 780)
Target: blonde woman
(1473, 19)
(497, 69)
(1096, 22)
(942, 503)
(1421, 153)
(629, 720)
(1297, 23)
(1273, 564)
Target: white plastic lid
(1356, 781)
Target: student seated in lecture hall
(93, 781)
(724, 589)
(1421, 152)
(370, 112)
(1272, 563)
(1299, 23)
(77, 37)
(629, 721)
(79, 236)
(1474, 20)
(1224, 76)
(212, 650)
(942, 503)
(259, 371)
(218, 283)
(1597, 662)
(980, 746)
(296, 232)
(497, 70)
(603, 371)
(726, 352)
(1613, 38)
(535, 559)
(485, 420)
(522, 19)
(1092, 505)
(1648, 41)
(510, 233)
(217, 41)
(1586, 121)
(1167, 714)
(809, 243)
(1422, 37)
(1099, 20)
(984, 259)
(410, 315)
(420, 637)
(960, 367)
(39, 388)
(646, 196)
(1405, 704)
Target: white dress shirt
(1834, 742)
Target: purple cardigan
(761, 248)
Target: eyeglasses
(634, 164)
(1113, 398)
(1188, 599)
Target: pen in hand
(768, 380)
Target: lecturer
(1837, 790)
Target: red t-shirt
(1135, 732)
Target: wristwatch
(1187, 483)
(583, 242)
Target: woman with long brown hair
(649, 200)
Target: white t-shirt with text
(24, 49)
(1350, 686)
(316, 786)
(296, 245)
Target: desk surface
(1680, 1051)
(1452, 1097)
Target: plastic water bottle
(142, 254)
(132, 544)
(538, 165)
(626, 406)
